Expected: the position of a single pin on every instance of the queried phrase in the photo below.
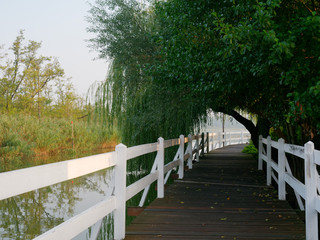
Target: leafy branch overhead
(173, 60)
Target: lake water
(28, 215)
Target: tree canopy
(173, 60)
(32, 83)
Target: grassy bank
(24, 138)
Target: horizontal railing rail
(190, 148)
(42, 176)
(309, 190)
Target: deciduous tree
(33, 83)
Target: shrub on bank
(251, 149)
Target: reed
(24, 137)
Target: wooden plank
(223, 197)
(134, 211)
(196, 236)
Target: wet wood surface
(224, 196)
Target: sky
(61, 27)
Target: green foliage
(251, 149)
(259, 56)
(25, 137)
(131, 98)
(173, 60)
(143, 104)
(34, 84)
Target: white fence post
(160, 161)
(281, 170)
(120, 192)
(260, 153)
(181, 157)
(208, 143)
(269, 161)
(311, 192)
(197, 145)
(190, 151)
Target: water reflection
(28, 215)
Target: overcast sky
(61, 26)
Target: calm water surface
(28, 215)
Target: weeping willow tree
(133, 97)
(143, 107)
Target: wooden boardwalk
(222, 197)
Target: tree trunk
(248, 124)
(262, 126)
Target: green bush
(251, 149)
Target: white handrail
(20, 181)
(33, 178)
(308, 190)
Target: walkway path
(222, 197)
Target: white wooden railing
(21, 181)
(309, 190)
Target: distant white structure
(214, 123)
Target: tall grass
(23, 137)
